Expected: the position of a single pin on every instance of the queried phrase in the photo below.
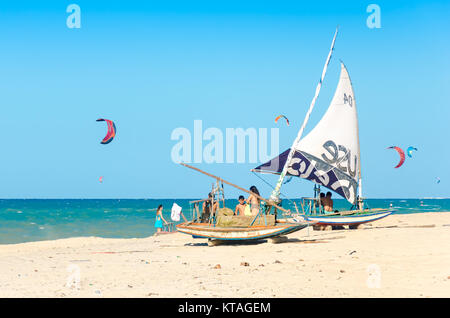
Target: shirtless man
(322, 197)
(328, 202)
(206, 209)
(240, 207)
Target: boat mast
(276, 192)
(360, 201)
(360, 197)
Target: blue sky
(157, 66)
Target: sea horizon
(30, 220)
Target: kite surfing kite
(111, 131)
(402, 155)
(410, 150)
(282, 116)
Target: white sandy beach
(411, 252)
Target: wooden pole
(211, 211)
(237, 187)
(296, 208)
(223, 194)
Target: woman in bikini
(254, 201)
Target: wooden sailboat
(224, 226)
(330, 157)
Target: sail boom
(266, 172)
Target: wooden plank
(207, 227)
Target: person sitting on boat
(240, 207)
(206, 208)
(253, 200)
(159, 219)
(328, 203)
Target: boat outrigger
(314, 211)
(222, 225)
(330, 157)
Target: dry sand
(399, 256)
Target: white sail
(329, 155)
(291, 152)
(335, 138)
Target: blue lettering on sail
(343, 162)
(292, 171)
(317, 170)
(346, 188)
(323, 177)
(308, 171)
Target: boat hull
(348, 219)
(202, 230)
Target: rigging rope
(272, 187)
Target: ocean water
(31, 220)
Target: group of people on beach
(252, 201)
(249, 206)
(252, 204)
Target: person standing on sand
(253, 200)
(159, 219)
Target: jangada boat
(222, 225)
(330, 157)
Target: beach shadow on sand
(263, 241)
(311, 241)
(400, 227)
(233, 243)
(196, 244)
